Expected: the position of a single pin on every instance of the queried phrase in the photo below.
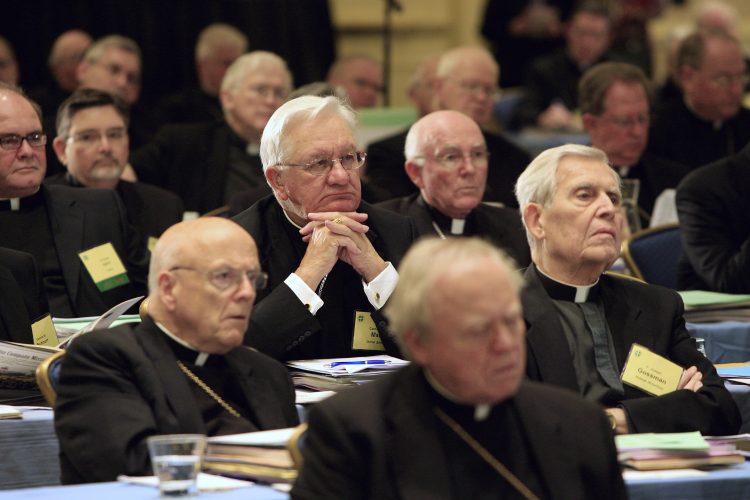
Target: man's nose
(338, 174)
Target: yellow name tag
(152, 243)
(649, 372)
(44, 332)
(104, 267)
(366, 335)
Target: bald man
(119, 387)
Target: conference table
(725, 341)
(122, 491)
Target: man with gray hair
(446, 158)
(460, 421)
(583, 323)
(218, 46)
(182, 369)
(330, 258)
(465, 81)
(207, 164)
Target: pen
(366, 362)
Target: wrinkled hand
(349, 233)
(691, 380)
(621, 421)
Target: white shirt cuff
(304, 293)
(379, 290)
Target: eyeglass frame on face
(628, 121)
(472, 87)
(266, 91)
(13, 142)
(726, 81)
(477, 157)
(116, 69)
(258, 279)
(325, 165)
(114, 135)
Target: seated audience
(582, 323)
(460, 421)
(615, 109)
(466, 81)
(710, 122)
(23, 299)
(361, 78)
(550, 89)
(446, 158)
(421, 87)
(182, 370)
(92, 143)
(206, 164)
(9, 72)
(56, 224)
(218, 46)
(330, 257)
(714, 212)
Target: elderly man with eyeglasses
(447, 159)
(92, 143)
(330, 257)
(465, 81)
(207, 164)
(182, 370)
(72, 233)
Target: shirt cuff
(304, 293)
(379, 290)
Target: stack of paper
(261, 456)
(706, 307)
(736, 372)
(338, 373)
(679, 450)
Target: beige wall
(430, 26)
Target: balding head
(66, 53)
(466, 81)
(198, 282)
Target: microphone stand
(390, 6)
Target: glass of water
(176, 459)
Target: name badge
(366, 334)
(152, 243)
(649, 372)
(43, 332)
(104, 267)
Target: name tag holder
(650, 372)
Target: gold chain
(486, 455)
(208, 390)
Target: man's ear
(166, 284)
(589, 121)
(533, 216)
(59, 146)
(415, 345)
(227, 99)
(414, 172)
(275, 177)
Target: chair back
(296, 444)
(48, 376)
(652, 254)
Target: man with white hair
(182, 370)
(218, 46)
(466, 81)
(330, 258)
(583, 323)
(460, 421)
(206, 164)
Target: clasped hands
(331, 236)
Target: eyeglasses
(365, 84)
(266, 91)
(453, 159)
(11, 142)
(91, 138)
(626, 122)
(475, 87)
(224, 279)
(349, 162)
(115, 69)
(726, 81)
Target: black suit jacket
(151, 210)
(649, 315)
(679, 135)
(713, 204)
(119, 386)
(281, 326)
(380, 441)
(499, 225)
(23, 299)
(190, 160)
(385, 168)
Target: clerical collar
(290, 220)
(25, 203)
(442, 222)
(481, 412)
(201, 357)
(557, 290)
(715, 124)
(623, 170)
(252, 149)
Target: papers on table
(680, 450)
(703, 307)
(276, 437)
(662, 440)
(734, 371)
(206, 482)
(334, 374)
(10, 412)
(312, 397)
(22, 359)
(98, 323)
